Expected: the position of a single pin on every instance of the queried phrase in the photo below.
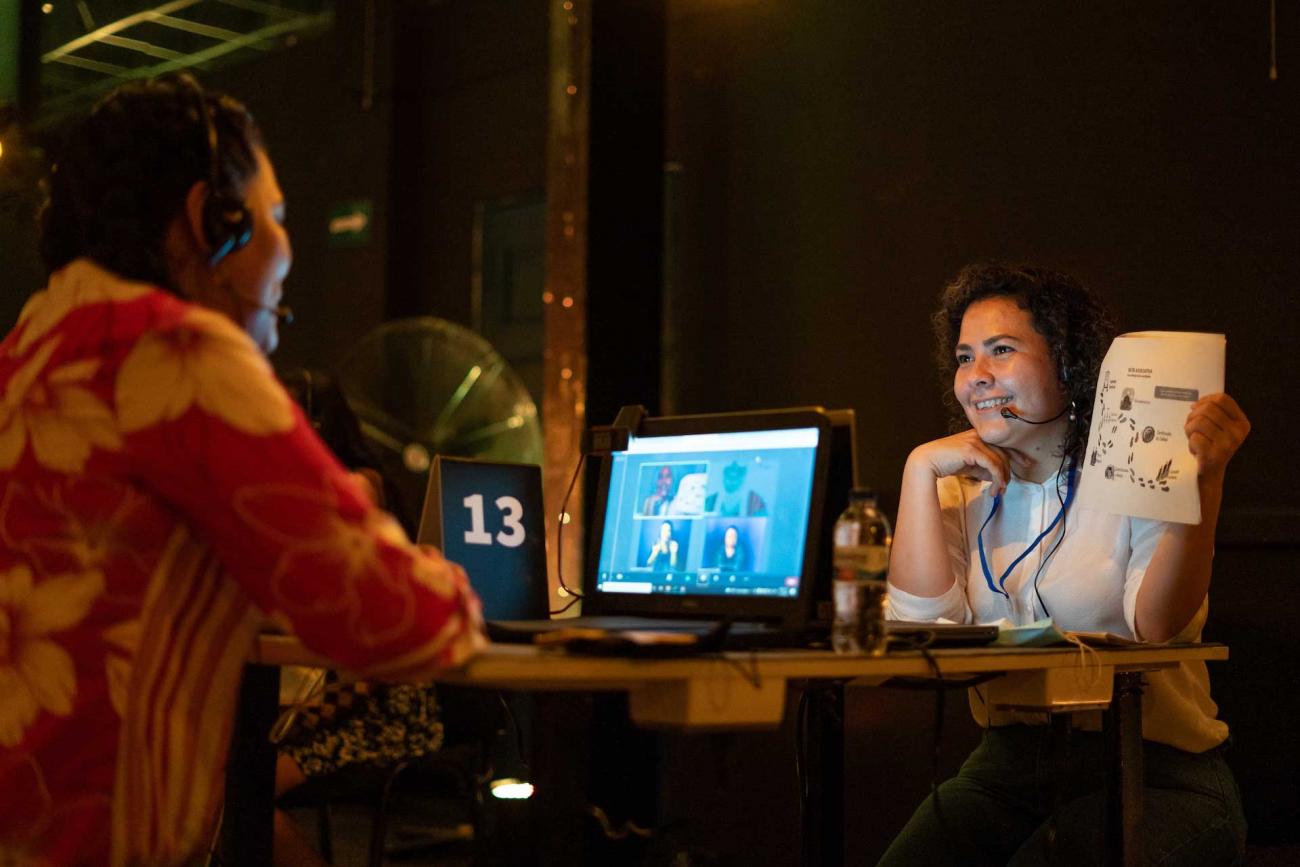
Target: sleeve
(209, 428)
(951, 605)
(1144, 538)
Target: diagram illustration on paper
(1119, 423)
(1137, 461)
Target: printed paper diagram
(1137, 462)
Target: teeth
(992, 402)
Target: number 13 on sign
(511, 514)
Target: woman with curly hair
(988, 528)
(163, 500)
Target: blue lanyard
(997, 501)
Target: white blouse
(1088, 582)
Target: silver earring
(1072, 414)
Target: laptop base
(612, 631)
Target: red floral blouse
(161, 499)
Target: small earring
(1072, 413)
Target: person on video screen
(657, 503)
(732, 556)
(663, 553)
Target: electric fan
(423, 387)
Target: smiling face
(729, 539)
(1003, 362)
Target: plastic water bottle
(861, 559)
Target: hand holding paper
(1215, 428)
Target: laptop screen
(709, 514)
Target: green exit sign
(349, 223)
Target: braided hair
(1077, 327)
(124, 172)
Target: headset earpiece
(1065, 381)
(227, 224)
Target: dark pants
(1015, 792)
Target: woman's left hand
(1216, 427)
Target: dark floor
(410, 840)
(413, 845)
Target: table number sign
(488, 517)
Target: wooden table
(738, 691)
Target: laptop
(705, 525)
(841, 478)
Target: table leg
(1124, 790)
(561, 767)
(250, 772)
(1062, 724)
(823, 814)
(586, 753)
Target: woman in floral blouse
(163, 499)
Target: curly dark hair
(1077, 327)
(123, 173)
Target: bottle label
(861, 562)
(846, 602)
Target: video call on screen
(709, 514)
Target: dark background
(778, 191)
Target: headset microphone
(1007, 413)
(283, 312)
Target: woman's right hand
(963, 454)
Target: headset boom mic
(1007, 413)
